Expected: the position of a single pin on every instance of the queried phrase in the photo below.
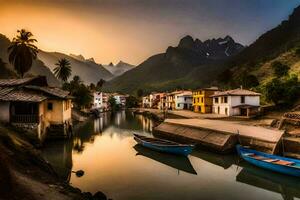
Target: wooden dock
(218, 135)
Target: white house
(100, 101)
(120, 99)
(183, 100)
(238, 102)
(146, 102)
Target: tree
(82, 96)
(100, 84)
(113, 104)
(249, 81)
(285, 90)
(92, 87)
(22, 52)
(140, 92)
(280, 69)
(132, 102)
(63, 70)
(274, 91)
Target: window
(217, 100)
(202, 99)
(242, 99)
(194, 100)
(225, 99)
(184, 98)
(50, 106)
(178, 105)
(198, 99)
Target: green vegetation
(140, 93)
(282, 90)
(280, 69)
(79, 91)
(132, 102)
(113, 104)
(249, 81)
(63, 70)
(100, 84)
(22, 52)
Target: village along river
(105, 149)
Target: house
(100, 100)
(97, 100)
(202, 100)
(238, 102)
(162, 105)
(183, 100)
(170, 100)
(146, 102)
(154, 98)
(120, 99)
(31, 105)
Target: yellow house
(31, 105)
(202, 102)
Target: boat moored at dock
(271, 162)
(164, 145)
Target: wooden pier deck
(220, 135)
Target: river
(105, 150)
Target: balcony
(25, 119)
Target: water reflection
(59, 154)
(177, 162)
(105, 149)
(224, 161)
(288, 187)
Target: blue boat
(164, 145)
(271, 162)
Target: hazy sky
(133, 30)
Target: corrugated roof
(236, 92)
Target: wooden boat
(164, 145)
(271, 162)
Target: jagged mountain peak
(111, 64)
(78, 57)
(212, 48)
(91, 60)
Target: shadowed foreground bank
(25, 175)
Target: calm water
(114, 164)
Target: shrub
(280, 69)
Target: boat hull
(284, 169)
(183, 150)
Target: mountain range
(221, 62)
(118, 69)
(88, 70)
(38, 67)
(191, 63)
(281, 43)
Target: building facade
(238, 102)
(183, 101)
(202, 100)
(29, 104)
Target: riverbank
(26, 175)
(217, 132)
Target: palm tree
(63, 70)
(22, 52)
